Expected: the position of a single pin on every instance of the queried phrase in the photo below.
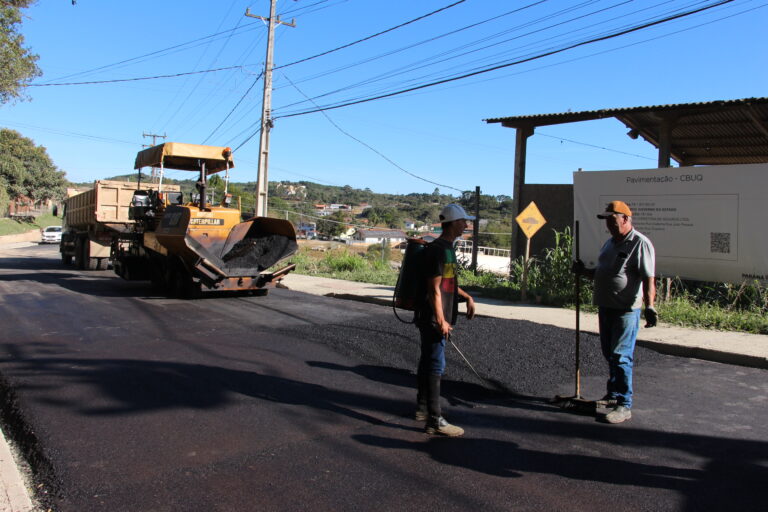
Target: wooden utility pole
(154, 143)
(262, 183)
(476, 230)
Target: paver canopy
(178, 155)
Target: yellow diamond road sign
(530, 220)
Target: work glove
(651, 317)
(578, 267)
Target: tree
(4, 199)
(333, 226)
(19, 64)
(27, 170)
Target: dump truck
(193, 247)
(93, 219)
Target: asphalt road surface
(123, 399)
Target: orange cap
(615, 207)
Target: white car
(50, 235)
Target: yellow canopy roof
(177, 155)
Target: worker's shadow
(731, 479)
(457, 393)
(507, 459)
(132, 386)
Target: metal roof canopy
(709, 133)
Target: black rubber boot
(421, 397)
(433, 395)
(436, 424)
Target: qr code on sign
(720, 242)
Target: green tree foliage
(27, 169)
(19, 65)
(333, 225)
(4, 199)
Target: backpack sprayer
(411, 290)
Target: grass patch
(350, 264)
(15, 227)
(685, 312)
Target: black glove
(651, 317)
(578, 267)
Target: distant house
(307, 229)
(410, 225)
(373, 236)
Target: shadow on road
(732, 478)
(133, 386)
(456, 392)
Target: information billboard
(706, 223)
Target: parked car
(50, 235)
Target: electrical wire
(382, 155)
(403, 69)
(414, 20)
(233, 108)
(411, 66)
(175, 75)
(404, 48)
(561, 139)
(249, 26)
(612, 35)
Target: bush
(345, 262)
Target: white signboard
(706, 223)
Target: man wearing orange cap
(624, 280)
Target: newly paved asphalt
(126, 400)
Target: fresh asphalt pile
(518, 358)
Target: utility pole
(262, 183)
(154, 143)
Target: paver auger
(194, 247)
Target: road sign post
(530, 221)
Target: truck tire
(66, 259)
(79, 253)
(92, 263)
(102, 264)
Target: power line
(233, 108)
(201, 77)
(401, 49)
(137, 79)
(100, 68)
(506, 31)
(382, 155)
(247, 139)
(414, 20)
(70, 134)
(508, 64)
(561, 139)
(304, 8)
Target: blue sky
(437, 133)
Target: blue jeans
(432, 360)
(618, 333)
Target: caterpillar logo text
(207, 222)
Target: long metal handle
(578, 307)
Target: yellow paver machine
(194, 247)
